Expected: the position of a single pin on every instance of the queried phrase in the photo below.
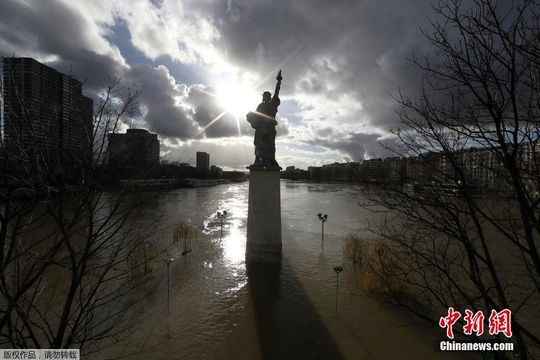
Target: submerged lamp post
(168, 262)
(221, 216)
(323, 220)
(337, 269)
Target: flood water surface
(219, 309)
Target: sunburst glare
(238, 98)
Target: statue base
(264, 215)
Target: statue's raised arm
(278, 84)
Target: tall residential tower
(45, 114)
(203, 160)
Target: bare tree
(183, 233)
(466, 229)
(71, 270)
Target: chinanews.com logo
(499, 323)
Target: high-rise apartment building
(45, 114)
(135, 148)
(203, 160)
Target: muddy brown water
(219, 309)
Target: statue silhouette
(263, 120)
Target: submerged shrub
(380, 267)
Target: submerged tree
(70, 270)
(182, 233)
(467, 228)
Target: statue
(263, 120)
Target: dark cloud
(357, 147)
(215, 120)
(259, 34)
(41, 27)
(160, 100)
(324, 132)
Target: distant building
(135, 148)
(398, 169)
(291, 172)
(203, 160)
(45, 114)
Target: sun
(237, 100)
(241, 94)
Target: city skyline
(42, 86)
(201, 66)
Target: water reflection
(233, 241)
(234, 246)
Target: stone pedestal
(264, 215)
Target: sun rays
(233, 102)
(211, 123)
(234, 98)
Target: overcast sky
(195, 59)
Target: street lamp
(168, 262)
(221, 216)
(323, 220)
(337, 269)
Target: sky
(194, 60)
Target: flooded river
(220, 310)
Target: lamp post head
(321, 217)
(338, 269)
(221, 215)
(168, 260)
